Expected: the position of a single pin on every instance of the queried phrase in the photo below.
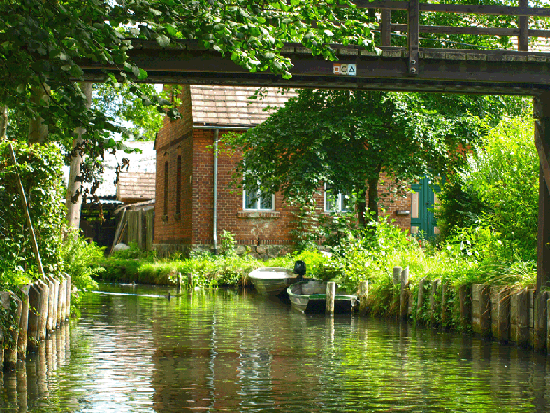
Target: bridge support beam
(541, 112)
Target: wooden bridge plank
(457, 8)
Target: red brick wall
(173, 140)
(393, 203)
(269, 227)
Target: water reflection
(221, 351)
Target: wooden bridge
(410, 68)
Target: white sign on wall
(344, 69)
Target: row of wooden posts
(44, 306)
(502, 313)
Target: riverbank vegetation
(487, 216)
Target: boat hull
(271, 280)
(310, 297)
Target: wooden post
(522, 318)
(481, 310)
(61, 301)
(444, 299)
(331, 293)
(55, 298)
(548, 326)
(539, 333)
(420, 299)
(523, 24)
(433, 302)
(465, 298)
(179, 282)
(51, 299)
(44, 308)
(363, 297)
(541, 113)
(23, 323)
(500, 313)
(10, 354)
(190, 280)
(413, 35)
(68, 298)
(404, 297)
(396, 275)
(34, 316)
(385, 28)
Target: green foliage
(42, 44)
(306, 229)
(228, 245)
(80, 260)
(497, 193)
(39, 167)
(343, 145)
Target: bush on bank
(40, 169)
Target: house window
(336, 202)
(255, 200)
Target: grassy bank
(472, 257)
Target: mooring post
(363, 297)
(68, 298)
(179, 282)
(541, 113)
(331, 292)
(23, 323)
(60, 301)
(34, 316)
(465, 298)
(1, 353)
(10, 354)
(396, 275)
(55, 303)
(51, 295)
(420, 299)
(404, 296)
(539, 334)
(433, 302)
(522, 317)
(481, 310)
(190, 280)
(445, 287)
(500, 313)
(44, 308)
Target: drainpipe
(216, 136)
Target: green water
(228, 351)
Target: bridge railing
(413, 27)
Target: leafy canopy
(346, 139)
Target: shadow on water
(133, 350)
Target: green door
(423, 222)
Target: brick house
(194, 205)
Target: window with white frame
(336, 201)
(256, 200)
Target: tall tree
(42, 43)
(347, 139)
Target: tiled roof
(138, 162)
(231, 106)
(136, 186)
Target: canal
(135, 350)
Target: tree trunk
(38, 131)
(3, 122)
(361, 209)
(73, 199)
(373, 197)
